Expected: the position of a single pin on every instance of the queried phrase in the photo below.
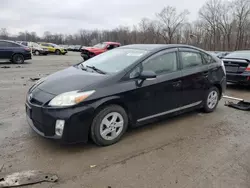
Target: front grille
(38, 126)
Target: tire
(211, 99)
(18, 59)
(114, 129)
(37, 52)
(58, 52)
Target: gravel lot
(192, 150)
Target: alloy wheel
(212, 99)
(111, 126)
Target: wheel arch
(218, 86)
(16, 53)
(114, 100)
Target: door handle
(177, 83)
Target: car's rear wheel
(18, 59)
(37, 52)
(211, 100)
(58, 52)
(109, 125)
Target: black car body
(238, 67)
(136, 82)
(14, 52)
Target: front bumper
(77, 122)
(243, 78)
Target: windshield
(115, 60)
(100, 45)
(239, 54)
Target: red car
(88, 52)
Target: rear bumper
(27, 56)
(243, 78)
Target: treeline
(221, 25)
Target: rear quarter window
(190, 59)
(208, 59)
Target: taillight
(248, 68)
(27, 49)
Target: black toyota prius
(128, 86)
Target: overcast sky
(68, 16)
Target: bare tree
(242, 12)
(4, 33)
(170, 21)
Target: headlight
(70, 98)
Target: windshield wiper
(96, 69)
(81, 66)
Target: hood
(69, 79)
(92, 49)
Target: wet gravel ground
(192, 150)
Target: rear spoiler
(237, 59)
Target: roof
(112, 43)
(8, 41)
(155, 47)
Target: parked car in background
(238, 67)
(130, 85)
(89, 52)
(36, 48)
(14, 52)
(218, 54)
(221, 55)
(70, 47)
(53, 48)
(77, 48)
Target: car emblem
(229, 62)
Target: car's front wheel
(18, 59)
(211, 100)
(109, 125)
(58, 52)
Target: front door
(5, 51)
(160, 96)
(194, 77)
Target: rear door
(194, 77)
(160, 96)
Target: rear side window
(24, 43)
(190, 59)
(162, 64)
(10, 44)
(208, 59)
(3, 44)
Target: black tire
(18, 59)
(208, 107)
(96, 124)
(58, 52)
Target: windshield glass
(100, 45)
(115, 60)
(239, 54)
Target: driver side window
(162, 64)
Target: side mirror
(147, 75)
